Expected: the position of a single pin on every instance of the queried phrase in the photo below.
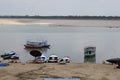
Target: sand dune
(5, 21)
(60, 22)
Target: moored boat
(43, 58)
(53, 58)
(113, 60)
(89, 51)
(42, 44)
(10, 55)
(64, 60)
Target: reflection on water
(90, 59)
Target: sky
(60, 7)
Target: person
(118, 65)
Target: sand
(60, 22)
(84, 71)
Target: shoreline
(84, 71)
(61, 22)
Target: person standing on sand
(118, 65)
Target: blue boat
(3, 64)
(43, 58)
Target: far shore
(61, 22)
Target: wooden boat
(113, 60)
(42, 44)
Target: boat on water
(10, 55)
(42, 44)
(89, 51)
(113, 60)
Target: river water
(64, 41)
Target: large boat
(42, 44)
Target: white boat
(53, 58)
(31, 44)
(64, 60)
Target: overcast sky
(60, 7)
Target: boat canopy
(41, 43)
(53, 58)
(43, 58)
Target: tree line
(66, 17)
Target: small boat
(3, 64)
(67, 59)
(64, 60)
(53, 59)
(42, 44)
(39, 59)
(113, 60)
(89, 51)
(10, 55)
(43, 58)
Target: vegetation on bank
(66, 17)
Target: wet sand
(84, 71)
(61, 22)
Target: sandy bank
(86, 71)
(59, 22)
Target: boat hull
(113, 60)
(86, 55)
(28, 46)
